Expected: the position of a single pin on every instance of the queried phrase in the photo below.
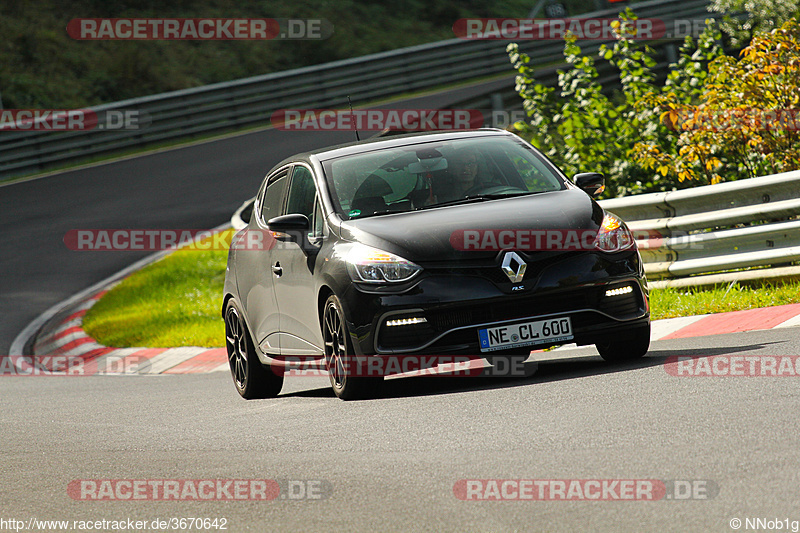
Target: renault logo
(514, 267)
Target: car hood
(430, 234)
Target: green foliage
(744, 18)
(671, 303)
(716, 118)
(42, 67)
(577, 125)
(743, 123)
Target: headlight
(371, 265)
(613, 235)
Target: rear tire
(339, 358)
(251, 378)
(627, 347)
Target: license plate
(552, 330)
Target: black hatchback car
(441, 243)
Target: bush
(709, 122)
(745, 121)
(578, 126)
(743, 19)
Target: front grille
(490, 269)
(446, 319)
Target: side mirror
(289, 227)
(592, 183)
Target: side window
(254, 211)
(319, 220)
(302, 192)
(273, 197)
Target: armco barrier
(250, 102)
(739, 224)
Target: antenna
(352, 118)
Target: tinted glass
(431, 174)
(301, 193)
(273, 199)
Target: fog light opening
(619, 291)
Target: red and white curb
(70, 340)
(57, 336)
(782, 316)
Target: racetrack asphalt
(392, 462)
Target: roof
(380, 143)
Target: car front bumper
(456, 304)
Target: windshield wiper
(376, 213)
(479, 198)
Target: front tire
(251, 378)
(339, 358)
(627, 347)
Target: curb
(762, 318)
(66, 338)
(59, 332)
(686, 327)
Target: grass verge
(173, 302)
(670, 303)
(176, 302)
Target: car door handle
(277, 270)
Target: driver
(463, 173)
(461, 179)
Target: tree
(743, 19)
(745, 121)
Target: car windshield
(432, 174)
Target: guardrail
(736, 225)
(250, 102)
